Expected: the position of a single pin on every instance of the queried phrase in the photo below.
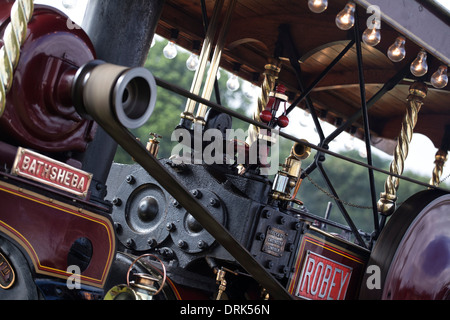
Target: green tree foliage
(351, 183)
(169, 106)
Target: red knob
(283, 121)
(266, 116)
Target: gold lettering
(61, 175)
(46, 171)
(67, 179)
(40, 165)
(81, 184)
(54, 174)
(32, 169)
(26, 163)
(75, 180)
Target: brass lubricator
(417, 93)
(289, 177)
(153, 144)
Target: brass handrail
(13, 38)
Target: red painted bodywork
(46, 229)
(349, 258)
(39, 113)
(421, 266)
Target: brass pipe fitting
(417, 93)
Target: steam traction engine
(75, 225)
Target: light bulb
(192, 62)
(304, 119)
(345, 19)
(250, 91)
(69, 4)
(396, 51)
(233, 83)
(419, 67)
(362, 152)
(439, 79)
(318, 6)
(170, 50)
(371, 37)
(350, 144)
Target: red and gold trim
(334, 249)
(47, 229)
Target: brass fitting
(13, 38)
(439, 162)
(153, 144)
(289, 178)
(417, 93)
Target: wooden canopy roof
(254, 38)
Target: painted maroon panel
(47, 230)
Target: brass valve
(153, 144)
(289, 177)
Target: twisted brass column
(270, 77)
(13, 38)
(417, 93)
(439, 162)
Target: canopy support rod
(362, 88)
(320, 77)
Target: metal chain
(442, 180)
(334, 197)
(13, 38)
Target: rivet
(182, 244)
(117, 202)
(130, 179)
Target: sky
(421, 153)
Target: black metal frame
(322, 149)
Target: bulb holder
(318, 6)
(396, 51)
(419, 67)
(345, 19)
(439, 79)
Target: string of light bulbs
(345, 20)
